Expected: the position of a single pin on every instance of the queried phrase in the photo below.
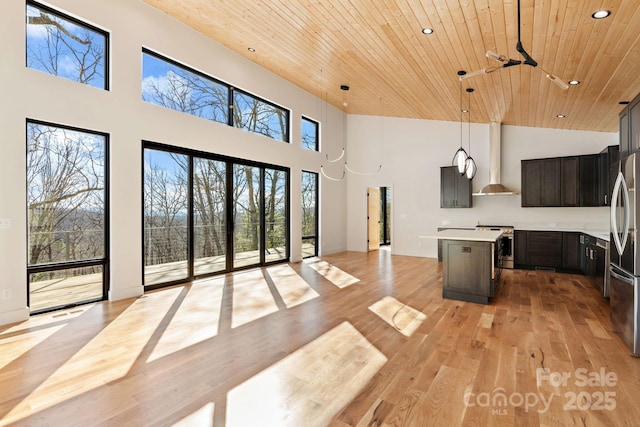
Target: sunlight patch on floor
(293, 289)
(15, 346)
(333, 274)
(106, 357)
(196, 320)
(203, 417)
(252, 298)
(308, 387)
(400, 316)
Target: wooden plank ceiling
(377, 48)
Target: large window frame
(261, 107)
(231, 162)
(314, 144)
(55, 267)
(68, 32)
(316, 201)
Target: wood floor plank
(201, 353)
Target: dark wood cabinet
(568, 181)
(466, 271)
(455, 190)
(589, 180)
(540, 178)
(634, 125)
(531, 182)
(570, 188)
(544, 249)
(571, 252)
(520, 250)
(625, 148)
(608, 170)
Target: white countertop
(469, 235)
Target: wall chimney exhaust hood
(495, 188)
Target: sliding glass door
(206, 214)
(166, 217)
(275, 215)
(247, 204)
(209, 215)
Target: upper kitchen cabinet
(634, 126)
(568, 181)
(455, 189)
(590, 180)
(625, 149)
(540, 179)
(570, 189)
(608, 168)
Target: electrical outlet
(6, 294)
(5, 223)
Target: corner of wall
(118, 294)
(14, 316)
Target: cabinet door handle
(605, 199)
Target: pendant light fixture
(470, 164)
(460, 157)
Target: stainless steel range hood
(495, 188)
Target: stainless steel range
(506, 242)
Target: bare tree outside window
(165, 216)
(310, 134)
(67, 216)
(257, 116)
(65, 194)
(64, 47)
(168, 85)
(309, 213)
(275, 201)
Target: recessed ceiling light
(560, 116)
(600, 14)
(574, 82)
(427, 31)
(250, 49)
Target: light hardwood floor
(353, 339)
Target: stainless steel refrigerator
(624, 266)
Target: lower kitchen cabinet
(567, 251)
(571, 254)
(544, 249)
(520, 251)
(548, 249)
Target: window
(310, 134)
(176, 86)
(63, 46)
(67, 216)
(258, 116)
(309, 214)
(171, 85)
(207, 214)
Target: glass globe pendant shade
(470, 168)
(460, 160)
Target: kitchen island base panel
(467, 272)
(463, 296)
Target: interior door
(373, 218)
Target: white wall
(412, 151)
(122, 114)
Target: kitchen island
(470, 264)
